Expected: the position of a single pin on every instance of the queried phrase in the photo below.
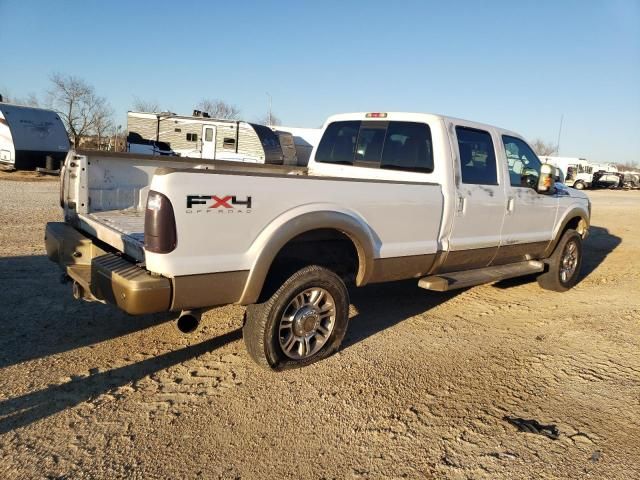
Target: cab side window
(524, 165)
(477, 156)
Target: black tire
(578, 186)
(262, 330)
(553, 278)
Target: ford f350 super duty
(386, 196)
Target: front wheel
(304, 321)
(564, 264)
(579, 186)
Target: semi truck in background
(29, 135)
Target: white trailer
(199, 136)
(28, 135)
(304, 140)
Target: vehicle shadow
(381, 306)
(40, 318)
(598, 245)
(21, 411)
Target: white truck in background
(386, 196)
(577, 172)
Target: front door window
(524, 165)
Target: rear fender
(280, 231)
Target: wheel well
(325, 247)
(576, 223)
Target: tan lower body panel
(208, 290)
(104, 276)
(467, 259)
(519, 252)
(401, 268)
(131, 288)
(458, 260)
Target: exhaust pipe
(188, 321)
(78, 291)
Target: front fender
(575, 211)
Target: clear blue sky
(506, 63)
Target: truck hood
(564, 191)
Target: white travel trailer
(200, 136)
(576, 172)
(304, 140)
(29, 135)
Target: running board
(469, 278)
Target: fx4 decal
(220, 203)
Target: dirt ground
(420, 389)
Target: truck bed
(110, 191)
(122, 229)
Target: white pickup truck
(386, 196)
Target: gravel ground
(420, 389)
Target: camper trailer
(199, 136)
(304, 139)
(29, 135)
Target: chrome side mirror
(546, 181)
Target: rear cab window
(391, 145)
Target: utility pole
(270, 105)
(559, 133)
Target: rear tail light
(376, 115)
(159, 224)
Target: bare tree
(31, 100)
(270, 119)
(219, 109)
(140, 105)
(79, 107)
(543, 148)
(103, 123)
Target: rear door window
(386, 145)
(477, 156)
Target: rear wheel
(304, 321)
(564, 264)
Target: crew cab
(386, 196)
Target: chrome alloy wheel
(569, 261)
(307, 323)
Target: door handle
(511, 204)
(460, 205)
